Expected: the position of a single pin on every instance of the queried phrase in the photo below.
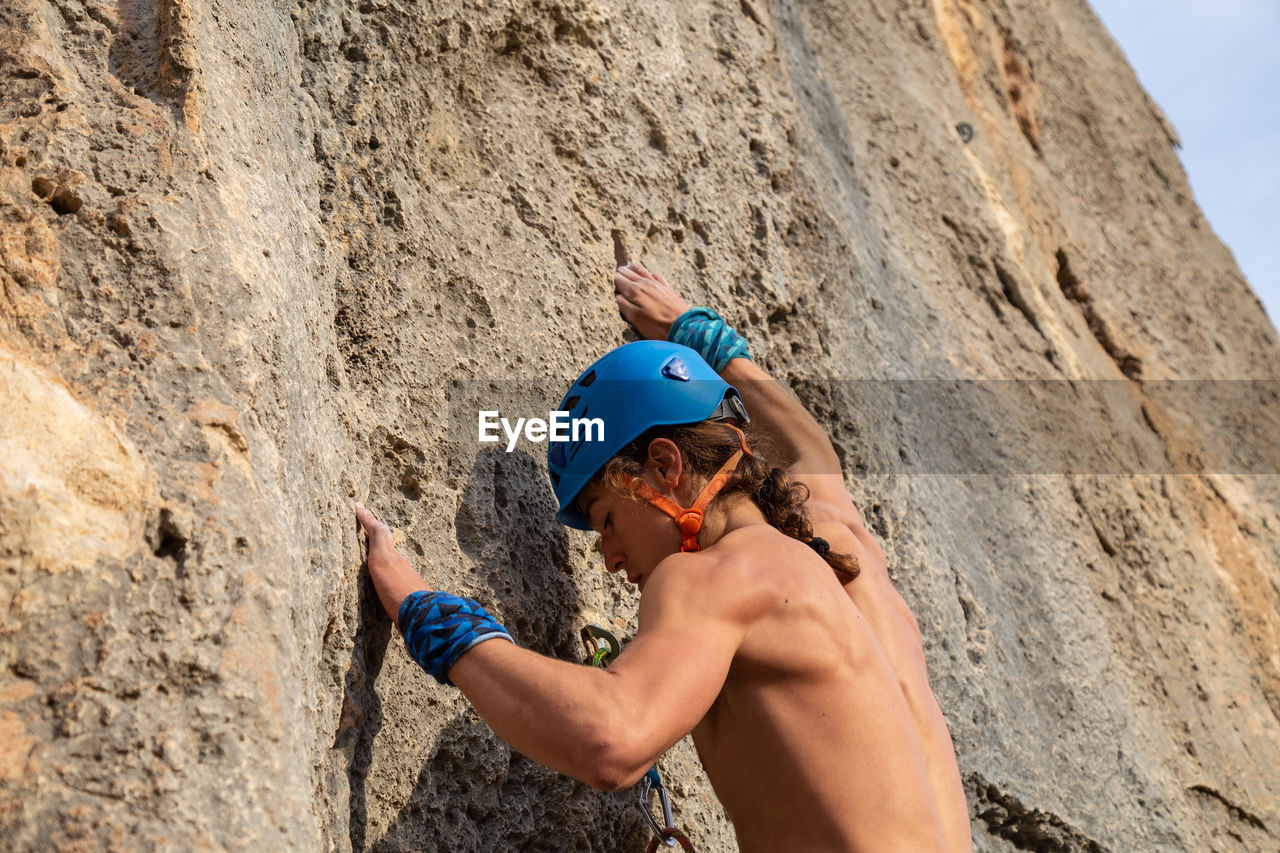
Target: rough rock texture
(260, 259)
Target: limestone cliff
(260, 259)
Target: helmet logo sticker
(675, 368)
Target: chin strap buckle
(690, 522)
(689, 519)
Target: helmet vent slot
(587, 380)
(571, 403)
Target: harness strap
(689, 519)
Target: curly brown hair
(706, 446)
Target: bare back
(815, 743)
(898, 634)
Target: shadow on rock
(475, 793)
(361, 707)
(506, 524)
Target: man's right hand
(646, 301)
(393, 576)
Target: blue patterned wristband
(705, 331)
(438, 628)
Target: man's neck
(725, 516)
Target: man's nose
(612, 561)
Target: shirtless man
(807, 697)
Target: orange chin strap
(690, 519)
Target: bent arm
(603, 726)
(651, 305)
(561, 715)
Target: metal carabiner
(651, 781)
(602, 644)
(602, 647)
(670, 837)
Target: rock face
(262, 259)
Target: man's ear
(664, 465)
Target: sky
(1214, 69)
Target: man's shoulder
(751, 568)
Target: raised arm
(651, 305)
(605, 727)
(608, 726)
(801, 441)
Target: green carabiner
(602, 644)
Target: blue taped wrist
(706, 332)
(439, 628)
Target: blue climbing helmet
(630, 389)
